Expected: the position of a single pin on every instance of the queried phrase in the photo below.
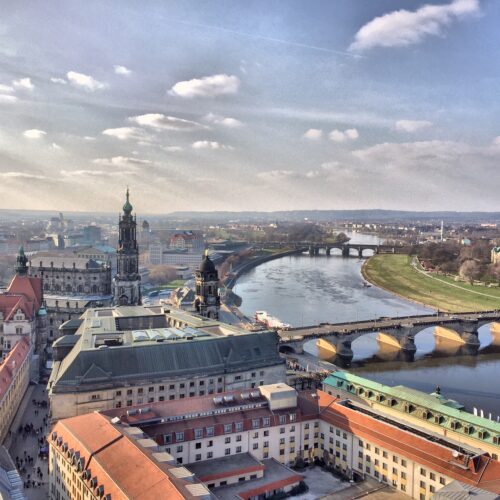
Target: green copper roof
(127, 207)
(436, 404)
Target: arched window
(94, 288)
(68, 288)
(80, 288)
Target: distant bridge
(396, 332)
(344, 247)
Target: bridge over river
(397, 332)
(347, 249)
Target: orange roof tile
(11, 365)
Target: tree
(494, 271)
(470, 270)
(161, 275)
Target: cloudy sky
(255, 105)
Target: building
(127, 281)
(231, 436)
(94, 457)
(14, 380)
(192, 241)
(432, 412)
(11, 483)
(495, 255)
(92, 235)
(71, 283)
(207, 299)
(22, 313)
(123, 356)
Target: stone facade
(207, 301)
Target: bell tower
(207, 301)
(127, 282)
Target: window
(197, 446)
(282, 452)
(227, 428)
(266, 454)
(95, 396)
(377, 451)
(422, 471)
(292, 439)
(151, 389)
(432, 489)
(282, 419)
(255, 423)
(161, 388)
(238, 449)
(384, 454)
(238, 426)
(422, 484)
(395, 459)
(238, 438)
(403, 463)
(198, 457)
(282, 430)
(227, 451)
(255, 435)
(384, 466)
(368, 447)
(266, 444)
(198, 433)
(171, 387)
(140, 390)
(337, 432)
(266, 421)
(306, 426)
(403, 475)
(394, 470)
(227, 440)
(292, 429)
(282, 441)
(266, 433)
(118, 393)
(129, 402)
(179, 449)
(432, 476)
(360, 443)
(210, 444)
(209, 431)
(129, 392)
(256, 446)
(210, 454)
(179, 436)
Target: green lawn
(396, 274)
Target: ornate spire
(127, 208)
(21, 262)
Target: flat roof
(275, 476)
(226, 465)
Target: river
(304, 290)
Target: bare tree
(160, 275)
(470, 270)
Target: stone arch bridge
(396, 332)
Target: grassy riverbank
(396, 274)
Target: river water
(303, 290)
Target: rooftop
(136, 342)
(275, 476)
(231, 465)
(12, 364)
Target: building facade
(22, 313)
(276, 422)
(123, 356)
(14, 380)
(127, 281)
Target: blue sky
(257, 105)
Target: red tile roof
(12, 364)
(25, 293)
(121, 466)
(482, 471)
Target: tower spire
(21, 262)
(127, 207)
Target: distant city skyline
(250, 106)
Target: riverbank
(396, 274)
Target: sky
(255, 105)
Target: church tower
(21, 262)
(207, 301)
(127, 282)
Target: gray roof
(461, 491)
(83, 368)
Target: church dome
(207, 266)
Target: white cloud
(313, 134)
(412, 125)
(6, 88)
(172, 149)
(34, 133)
(56, 147)
(273, 175)
(121, 70)
(90, 173)
(350, 134)
(225, 121)
(23, 83)
(208, 86)
(126, 133)
(122, 161)
(496, 142)
(88, 138)
(210, 145)
(162, 122)
(402, 27)
(85, 81)
(62, 81)
(20, 175)
(7, 98)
